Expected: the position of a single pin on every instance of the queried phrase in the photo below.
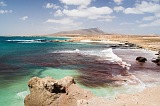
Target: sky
(24, 17)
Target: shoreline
(150, 42)
(146, 42)
(148, 97)
(69, 94)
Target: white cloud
(132, 11)
(66, 7)
(127, 23)
(64, 21)
(149, 18)
(88, 12)
(60, 21)
(3, 4)
(24, 18)
(148, 7)
(82, 3)
(119, 8)
(51, 5)
(155, 23)
(118, 2)
(157, 14)
(143, 7)
(106, 18)
(58, 13)
(155, 1)
(5, 11)
(137, 21)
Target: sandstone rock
(50, 92)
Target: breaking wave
(27, 41)
(22, 95)
(68, 51)
(106, 54)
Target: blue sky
(22, 17)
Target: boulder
(156, 61)
(141, 59)
(51, 92)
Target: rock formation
(141, 59)
(64, 92)
(50, 92)
(157, 60)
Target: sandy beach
(150, 42)
(149, 96)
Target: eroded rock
(50, 92)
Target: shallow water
(94, 67)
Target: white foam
(32, 42)
(101, 41)
(20, 40)
(106, 54)
(68, 51)
(109, 55)
(22, 95)
(26, 41)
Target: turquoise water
(22, 58)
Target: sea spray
(22, 95)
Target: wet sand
(148, 97)
(147, 72)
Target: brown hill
(91, 31)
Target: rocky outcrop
(64, 92)
(51, 92)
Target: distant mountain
(91, 31)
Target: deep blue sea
(22, 58)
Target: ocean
(101, 68)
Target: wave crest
(28, 41)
